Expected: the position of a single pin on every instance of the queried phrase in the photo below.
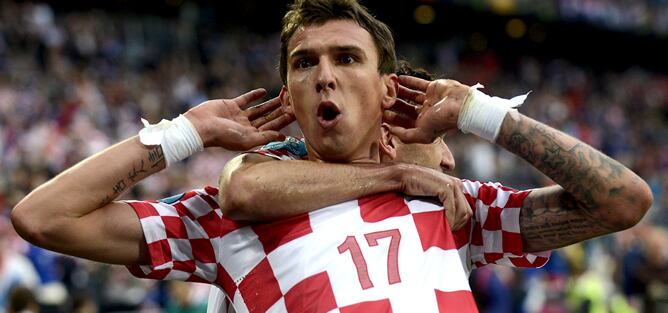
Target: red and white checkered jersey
(376, 254)
(491, 236)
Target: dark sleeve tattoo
(558, 216)
(552, 218)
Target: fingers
(450, 216)
(247, 98)
(262, 109)
(266, 118)
(414, 83)
(260, 138)
(450, 207)
(411, 95)
(279, 122)
(261, 120)
(405, 108)
(396, 119)
(464, 211)
(411, 135)
(457, 209)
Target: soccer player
(87, 222)
(338, 78)
(595, 195)
(331, 74)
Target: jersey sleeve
(181, 234)
(291, 148)
(493, 235)
(218, 302)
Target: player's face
(435, 155)
(335, 90)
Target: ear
(286, 100)
(387, 148)
(391, 82)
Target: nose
(325, 78)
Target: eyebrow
(338, 49)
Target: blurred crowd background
(76, 78)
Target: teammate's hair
(317, 12)
(21, 299)
(405, 68)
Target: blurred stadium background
(75, 77)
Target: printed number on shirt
(351, 245)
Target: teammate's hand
(401, 113)
(437, 102)
(421, 181)
(234, 125)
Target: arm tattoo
(588, 178)
(552, 218)
(155, 156)
(132, 175)
(104, 201)
(119, 186)
(587, 174)
(137, 173)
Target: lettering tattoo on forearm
(137, 173)
(105, 201)
(156, 156)
(119, 186)
(132, 175)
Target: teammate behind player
(336, 86)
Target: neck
(367, 155)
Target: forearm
(96, 181)
(276, 189)
(599, 186)
(550, 218)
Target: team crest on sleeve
(172, 199)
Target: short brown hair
(308, 12)
(405, 68)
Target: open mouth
(328, 114)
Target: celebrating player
(374, 254)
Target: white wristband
(483, 115)
(179, 138)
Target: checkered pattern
(492, 236)
(297, 264)
(381, 253)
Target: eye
(303, 63)
(347, 59)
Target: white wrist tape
(179, 138)
(483, 115)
